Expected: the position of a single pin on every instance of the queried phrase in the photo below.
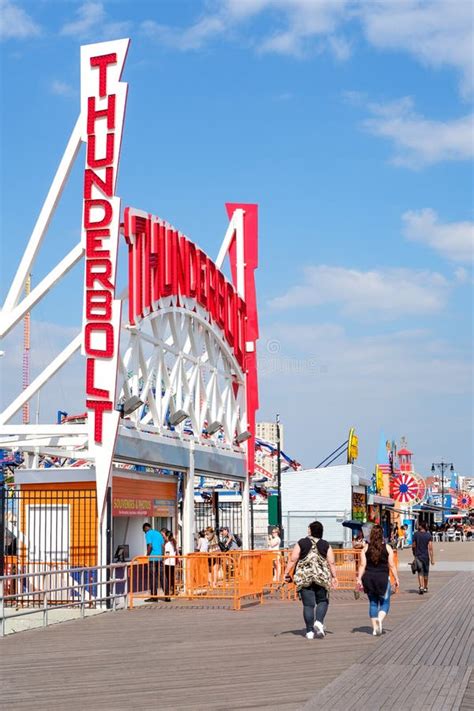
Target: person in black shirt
(314, 595)
(422, 547)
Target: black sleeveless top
(305, 547)
(376, 578)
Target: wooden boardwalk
(170, 656)
(425, 664)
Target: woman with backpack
(376, 563)
(314, 575)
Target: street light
(278, 444)
(442, 466)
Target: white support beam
(43, 430)
(44, 218)
(236, 225)
(9, 319)
(246, 514)
(38, 382)
(188, 507)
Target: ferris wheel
(408, 489)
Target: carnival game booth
(329, 494)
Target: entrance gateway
(170, 366)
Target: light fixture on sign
(243, 437)
(130, 405)
(177, 417)
(213, 427)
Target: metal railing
(42, 591)
(232, 576)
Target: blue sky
(350, 123)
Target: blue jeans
(379, 604)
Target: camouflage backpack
(312, 569)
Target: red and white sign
(103, 100)
(168, 271)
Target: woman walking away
(171, 550)
(377, 560)
(314, 575)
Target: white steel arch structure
(175, 360)
(180, 354)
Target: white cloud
(193, 37)
(308, 25)
(90, 15)
(15, 23)
(454, 240)
(436, 32)
(395, 381)
(419, 141)
(62, 88)
(385, 293)
(91, 19)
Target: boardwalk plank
(443, 627)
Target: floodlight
(243, 437)
(128, 406)
(178, 417)
(213, 427)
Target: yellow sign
(352, 446)
(378, 479)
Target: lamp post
(442, 466)
(278, 444)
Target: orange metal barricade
(232, 576)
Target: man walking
(154, 548)
(423, 552)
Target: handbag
(416, 565)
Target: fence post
(83, 594)
(45, 602)
(252, 530)
(2, 522)
(126, 585)
(2, 606)
(113, 578)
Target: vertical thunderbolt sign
(103, 101)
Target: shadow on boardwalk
(176, 656)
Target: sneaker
(150, 599)
(375, 633)
(309, 635)
(425, 590)
(421, 591)
(319, 630)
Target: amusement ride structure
(170, 366)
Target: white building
(328, 494)
(268, 432)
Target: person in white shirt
(274, 543)
(203, 543)
(170, 552)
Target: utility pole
(278, 444)
(442, 466)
